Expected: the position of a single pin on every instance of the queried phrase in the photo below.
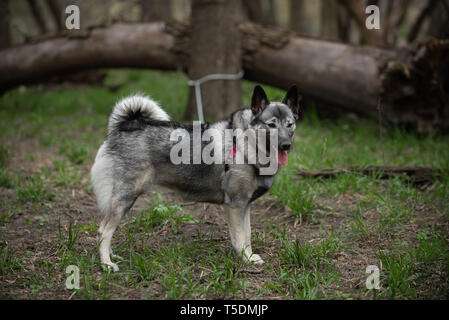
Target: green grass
(160, 214)
(309, 237)
(33, 190)
(8, 262)
(3, 157)
(5, 180)
(306, 271)
(410, 270)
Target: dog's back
(137, 153)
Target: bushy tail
(132, 112)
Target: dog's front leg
(240, 232)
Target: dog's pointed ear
(259, 100)
(292, 101)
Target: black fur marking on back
(132, 121)
(138, 120)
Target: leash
(209, 77)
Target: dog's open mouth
(282, 156)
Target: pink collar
(232, 153)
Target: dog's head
(278, 116)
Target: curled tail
(133, 112)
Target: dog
(137, 154)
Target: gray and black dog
(138, 153)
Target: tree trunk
(404, 6)
(344, 24)
(39, 19)
(258, 13)
(5, 35)
(439, 21)
(56, 11)
(416, 28)
(156, 10)
(386, 34)
(254, 10)
(120, 45)
(330, 20)
(356, 8)
(412, 84)
(298, 16)
(215, 48)
(270, 14)
(408, 87)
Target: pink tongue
(282, 157)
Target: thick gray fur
(136, 156)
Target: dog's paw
(116, 256)
(110, 266)
(256, 259)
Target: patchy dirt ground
(37, 242)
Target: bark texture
(215, 48)
(57, 13)
(298, 16)
(39, 19)
(330, 20)
(156, 10)
(408, 87)
(5, 35)
(254, 10)
(356, 10)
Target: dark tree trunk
(298, 16)
(425, 13)
(386, 34)
(356, 9)
(215, 48)
(156, 10)
(404, 5)
(270, 14)
(56, 11)
(254, 10)
(258, 13)
(439, 23)
(39, 19)
(120, 45)
(330, 20)
(408, 87)
(5, 35)
(344, 24)
(411, 84)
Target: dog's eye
(289, 125)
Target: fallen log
(419, 176)
(408, 87)
(120, 45)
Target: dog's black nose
(285, 146)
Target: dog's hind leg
(119, 207)
(240, 232)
